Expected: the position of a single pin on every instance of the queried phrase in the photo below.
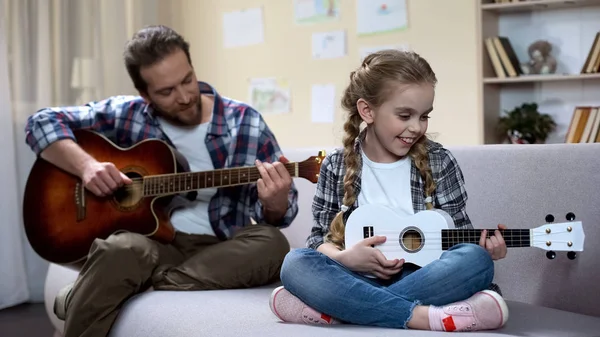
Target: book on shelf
(505, 62)
(592, 62)
(503, 57)
(584, 126)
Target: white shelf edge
(535, 5)
(540, 78)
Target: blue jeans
(329, 287)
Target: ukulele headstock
(310, 168)
(565, 236)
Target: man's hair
(149, 46)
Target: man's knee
(268, 239)
(124, 246)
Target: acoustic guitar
(423, 237)
(62, 218)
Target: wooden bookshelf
(534, 5)
(522, 23)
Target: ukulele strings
(536, 238)
(412, 241)
(469, 239)
(397, 247)
(473, 232)
(451, 230)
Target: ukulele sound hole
(411, 239)
(128, 196)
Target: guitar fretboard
(185, 182)
(514, 238)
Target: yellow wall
(444, 32)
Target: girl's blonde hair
(373, 82)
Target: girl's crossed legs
(448, 294)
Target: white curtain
(12, 263)
(52, 52)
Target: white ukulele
(423, 237)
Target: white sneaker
(290, 308)
(486, 310)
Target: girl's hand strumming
(364, 258)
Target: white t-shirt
(387, 184)
(190, 142)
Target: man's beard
(175, 117)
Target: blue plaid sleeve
(51, 124)
(325, 202)
(269, 151)
(450, 190)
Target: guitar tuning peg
(549, 218)
(551, 255)
(570, 216)
(571, 255)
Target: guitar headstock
(310, 168)
(564, 236)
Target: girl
(390, 161)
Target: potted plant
(525, 125)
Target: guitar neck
(514, 238)
(189, 181)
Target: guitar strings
(150, 187)
(157, 183)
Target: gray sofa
(517, 185)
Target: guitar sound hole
(128, 196)
(411, 239)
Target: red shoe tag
(326, 318)
(449, 324)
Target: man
(215, 246)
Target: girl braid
(351, 162)
(419, 155)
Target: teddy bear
(541, 62)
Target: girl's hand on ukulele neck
(364, 258)
(495, 244)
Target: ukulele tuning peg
(549, 218)
(571, 255)
(551, 255)
(570, 216)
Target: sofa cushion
(511, 184)
(246, 312)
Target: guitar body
(416, 239)
(62, 218)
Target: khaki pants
(126, 264)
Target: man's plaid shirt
(237, 136)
